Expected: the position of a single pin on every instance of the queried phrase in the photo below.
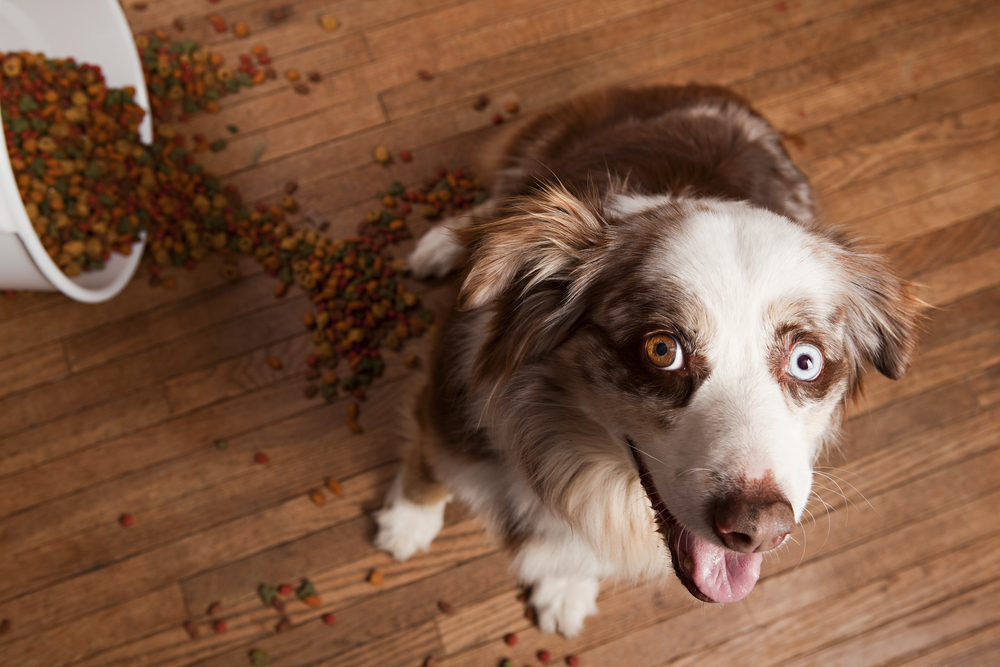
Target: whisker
(856, 490)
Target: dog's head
(712, 343)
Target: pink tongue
(720, 574)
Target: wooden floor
(891, 107)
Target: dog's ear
(526, 265)
(884, 316)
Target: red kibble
(405, 155)
(544, 655)
(285, 589)
(510, 639)
(442, 172)
(219, 626)
(572, 661)
(497, 119)
(312, 361)
(261, 458)
(329, 619)
(125, 520)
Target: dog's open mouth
(710, 572)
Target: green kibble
(218, 145)
(267, 594)
(232, 128)
(221, 445)
(305, 589)
(258, 658)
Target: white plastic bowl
(91, 31)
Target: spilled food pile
(90, 187)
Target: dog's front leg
(563, 573)
(438, 252)
(413, 512)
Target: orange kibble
(292, 74)
(241, 29)
(274, 363)
(317, 497)
(334, 486)
(258, 50)
(313, 600)
(376, 577)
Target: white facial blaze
(741, 269)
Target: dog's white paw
(437, 252)
(405, 528)
(561, 604)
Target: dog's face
(713, 343)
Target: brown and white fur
(653, 342)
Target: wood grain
(892, 107)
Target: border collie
(652, 343)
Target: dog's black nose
(755, 516)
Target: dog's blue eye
(665, 352)
(806, 362)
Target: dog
(653, 342)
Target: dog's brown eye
(664, 352)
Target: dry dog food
(125, 520)
(259, 658)
(329, 619)
(376, 577)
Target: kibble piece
(219, 626)
(261, 458)
(329, 619)
(510, 639)
(572, 661)
(352, 417)
(544, 655)
(284, 625)
(301, 88)
(446, 607)
(292, 74)
(512, 107)
(317, 497)
(214, 608)
(241, 29)
(267, 593)
(376, 577)
(329, 22)
(425, 74)
(405, 155)
(382, 155)
(274, 363)
(221, 444)
(285, 589)
(313, 600)
(259, 658)
(125, 520)
(482, 102)
(334, 486)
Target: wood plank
(980, 649)
(381, 615)
(912, 183)
(936, 212)
(961, 279)
(940, 622)
(43, 326)
(897, 115)
(98, 384)
(152, 328)
(961, 50)
(939, 248)
(41, 365)
(95, 632)
(904, 592)
(63, 436)
(923, 143)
